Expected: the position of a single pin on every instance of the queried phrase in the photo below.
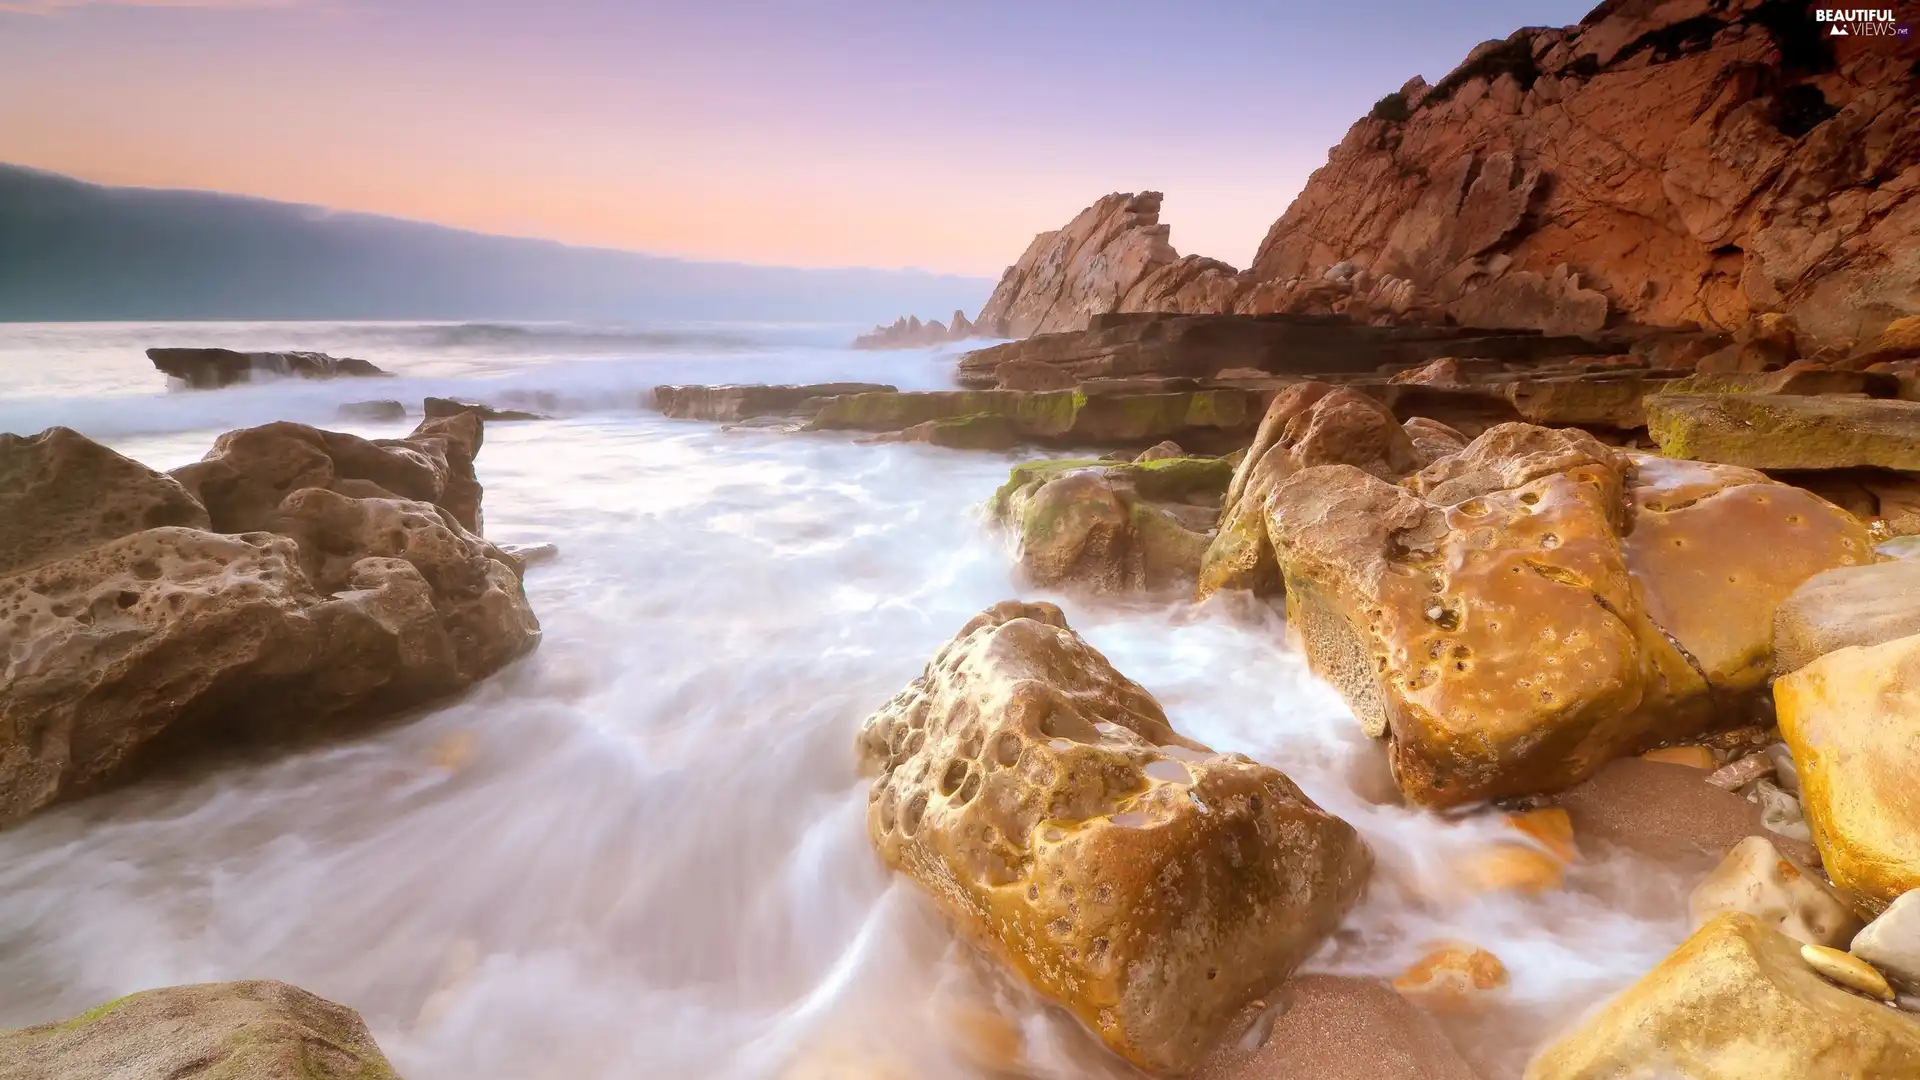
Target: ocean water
(640, 851)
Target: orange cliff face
(1661, 164)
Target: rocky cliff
(1663, 163)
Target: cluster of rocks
(1674, 165)
(294, 583)
(908, 332)
(210, 369)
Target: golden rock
(1736, 1002)
(1516, 868)
(1851, 719)
(1149, 885)
(1694, 757)
(1551, 826)
(1453, 977)
(1848, 970)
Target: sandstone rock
(1111, 528)
(1551, 827)
(1442, 372)
(1891, 942)
(1849, 718)
(1150, 886)
(61, 492)
(1794, 379)
(1899, 340)
(1161, 451)
(731, 404)
(1194, 417)
(976, 431)
(1855, 605)
(1330, 1027)
(1780, 431)
(1847, 970)
(908, 332)
(1756, 879)
(1514, 868)
(438, 407)
(256, 1030)
(1662, 811)
(1432, 440)
(372, 410)
(1736, 1002)
(1453, 977)
(1085, 269)
(1769, 342)
(1426, 603)
(207, 369)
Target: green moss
(1177, 478)
(95, 1013)
(1034, 413)
(1026, 475)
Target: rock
(1738, 774)
(1736, 1002)
(1453, 977)
(1899, 340)
(1194, 417)
(976, 431)
(1031, 375)
(1694, 757)
(1849, 719)
(1085, 269)
(1331, 1027)
(158, 644)
(1891, 942)
(1432, 440)
(1768, 342)
(1150, 886)
(1847, 970)
(1110, 528)
(1442, 372)
(1756, 879)
(732, 404)
(372, 410)
(908, 332)
(1855, 605)
(1551, 827)
(1602, 400)
(1514, 868)
(438, 407)
(61, 493)
(256, 1030)
(208, 369)
(1786, 431)
(1424, 603)
(1793, 379)
(531, 554)
(1161, 451)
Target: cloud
(52, 7)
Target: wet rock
(339, 603)
(372, 410)
(1891, 942)
(1453, 977)
(1551, 827)
(256, 1030)
(1736, 1001)
(1515, 868)
(1786, 431)
(61, 492)
(1111, 527)
(1194, 417)
(732, 404)
(1660, 810)
(1147, 884)
(1738, 774)
(208, 369)
(1331, 1027)
(438, 407)
(1857, 605)
(532, 554)
(1849, 719)
(1847, 970)
(1756, 879)
(1425, 602)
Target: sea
(640, 852)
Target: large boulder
(61, 492)
(1787, 431)
(239, 1030)
(208, 369)
(1513, 616)
(1148, 884)
(1855, 605)
(1111, 527)
(1849, 718)
(1736, 1002)
(329, 602)
(1082, 270)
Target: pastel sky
(804, 132)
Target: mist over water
(640, 851)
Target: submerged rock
(731, 404)
(335, 591)
(1736, 1002)
(1515, 615)
(61, 492)
(1148, 884)
(208, 369)
(438, 407)
(1111, 527)
(1787, 431)
(372, 410)
(240, 1030)
(1849, 718)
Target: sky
(892, 133)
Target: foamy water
(640, 852)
